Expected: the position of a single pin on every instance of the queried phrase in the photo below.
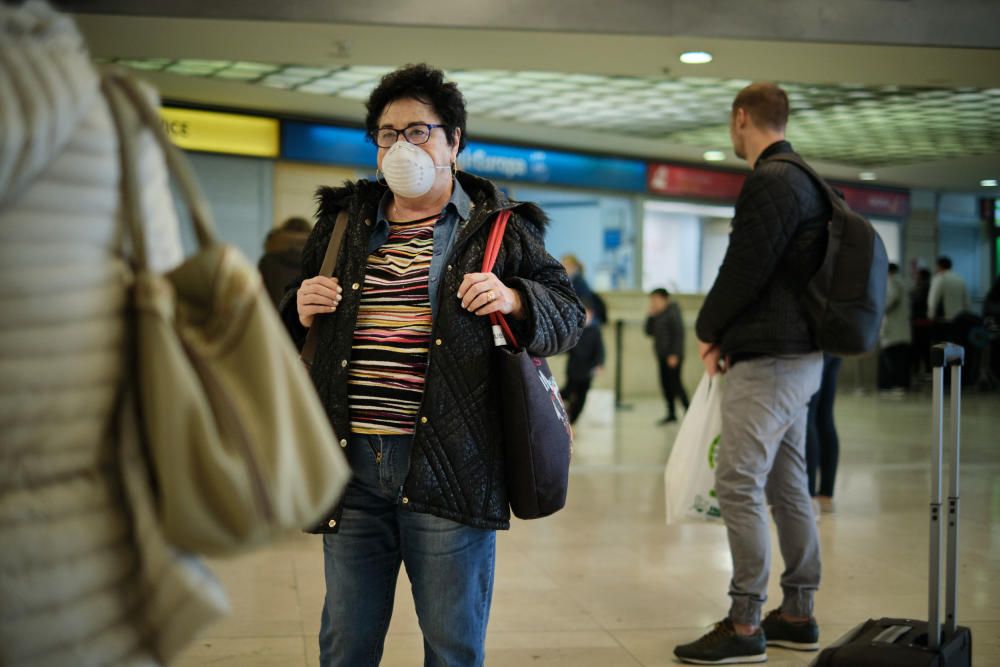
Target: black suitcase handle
(947, 354)
(944, 355)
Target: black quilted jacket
(776, 244)
(667, 330)
(456, 469)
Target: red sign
(870, 201)
(678, 181)
(681, 181)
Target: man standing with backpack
(753, 326)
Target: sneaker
(669, 419)
(803, 636)
(723, 646)
(825, 504)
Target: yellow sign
(221, 132)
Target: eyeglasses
(416, 134)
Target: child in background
(585, 361)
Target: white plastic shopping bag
(690, 475)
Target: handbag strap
(493, 243)
(125, 96)
(326, 269)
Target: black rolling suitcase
(898, 642)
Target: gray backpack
(845, 299)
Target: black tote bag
(537, 437)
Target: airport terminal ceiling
(915, 116)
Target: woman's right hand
(317, 296)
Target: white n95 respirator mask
(409, 171)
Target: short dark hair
(893, 267)
(944, 262)
(659, 291)
(424, 84)
(766, 103)
(295, 224)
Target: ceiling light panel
(207, 64)
(149, 64)
(237, 74)
(305, 72)
(853, 123)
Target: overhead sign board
(349, 146)
(674, 180)
(217, 132)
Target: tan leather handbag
(240, 447)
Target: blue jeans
(450, 567)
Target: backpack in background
(845, 299)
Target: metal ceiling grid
(867, 126)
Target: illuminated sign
(310, 142)
(681, 181)
(217, 132)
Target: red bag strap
(495, 240)
(493, 244)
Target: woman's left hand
(484, 293)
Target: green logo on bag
(713, 452)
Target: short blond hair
(570, 258)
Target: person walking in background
(991, 320)
(404, 365)
(753, 322)
(822, 441)
(86, 574)
(280, 263)
(921, 326)
(948, 296)
(574, 269)
(894, 355)
(581, 364)
(666, 325)
(585, 360)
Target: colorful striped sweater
(392, 335)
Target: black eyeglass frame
(430, 128)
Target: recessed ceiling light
(988, 182)
(696, 57)
(867, 176)
(714, 156)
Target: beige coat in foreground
(85, 578)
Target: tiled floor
(605, 583)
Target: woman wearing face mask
(403, 367)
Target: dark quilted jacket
(456, 467)
(776, 244)
(667, 330)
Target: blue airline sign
(348, 146)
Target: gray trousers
(762, 456)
